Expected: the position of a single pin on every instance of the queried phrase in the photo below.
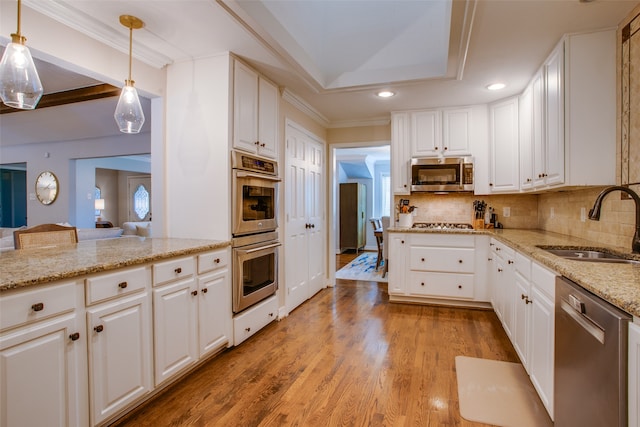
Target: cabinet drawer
(22, 307)
(523, 265)
(454, 260)
(212, 260)
(253, 319)
(119, 283)
(502, 250)
(441, 285)
(445, 240)
(164, 272)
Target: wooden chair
(44, 235)
(377, 231)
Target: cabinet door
(538, 136)
(214, 311)
(267, 119)
(525, 115)
(397, 269)
(40, 374)
(554, 118)
(456, 127)
(521, 303)
(503, 121)
(542, 347)
(120, 360)
(400, 154)
(174, 320)
(426, 134)
(245, 108)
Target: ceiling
(335, 55)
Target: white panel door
(119, 354)
(315, 215)
(38, 374)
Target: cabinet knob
(489, 259)
(402, 241)
(205, 290)
(178, 270)
(498, 249)
(459, 286)
(459, 261)
(217, 260)
(194, 293)
(74, 336)
(491, 184)
(492, 244)
(435, 148)
(528, 179)
(422, 259)
(270, 314)
(122, 285)
(37, 307)
(313, 226)
(405, 185)
(247, 329)
(422, 284)
(499, 270)
(257, 143)
(446, 148)
(526, 299)
(263, 145)
(99, 328)
(510, 262)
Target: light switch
(506, 212)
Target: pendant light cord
(19, 13)
(130, 51)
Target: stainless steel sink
(589, 255)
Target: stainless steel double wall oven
(255, 241)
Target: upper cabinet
(629, 39)
(400, 157)
(255, 112)
(503, 146)
(443, 132)
(567, 116)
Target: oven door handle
(261, 248)
(240, 174)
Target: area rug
(363, 268)
(498, 393)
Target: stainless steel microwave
(442, 174)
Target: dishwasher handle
(576, 313)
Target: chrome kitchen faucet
(594, 213)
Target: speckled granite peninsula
(616, 283)
(28, 267)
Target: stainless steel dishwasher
(590, 383)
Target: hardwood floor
(346, 357)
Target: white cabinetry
(43, 377)
(634, 375)
(434, 267)
(426, 139)
(504, 288)
(400, 153)
(503, 142)
(568, 122)
(119, 329)
(443, 132)
(255, 112)
(521, 300)
(192, 315)
(253, 319)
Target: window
(141, 202)
(385, 194)
(96, 195)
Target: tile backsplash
(560, 212)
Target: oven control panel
(253, 163)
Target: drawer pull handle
(247, 329)
(37, 307)
(74, 336)
(99, 328)
(205, 290)
(489, 259)
(217, 260)
(122, 285)
(194, 293)
(178, 270)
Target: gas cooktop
(442, 226)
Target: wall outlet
(552, 214)
(506, 212)
(583, 214)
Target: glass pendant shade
(129, 114)
(20, 85)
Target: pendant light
(129, 114)
(20, 85)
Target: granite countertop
(28, 267)
(616, 283)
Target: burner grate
(443, 226)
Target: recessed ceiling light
(385, 94)
(496, 86)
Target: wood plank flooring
(346, 357)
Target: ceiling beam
(70, 96)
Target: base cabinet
(120, 363)
(43, 369)
(254, 318)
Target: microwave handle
(240, 174)
(461, 180)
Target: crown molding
(380, 121)
(79, 21)
(304, 107)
